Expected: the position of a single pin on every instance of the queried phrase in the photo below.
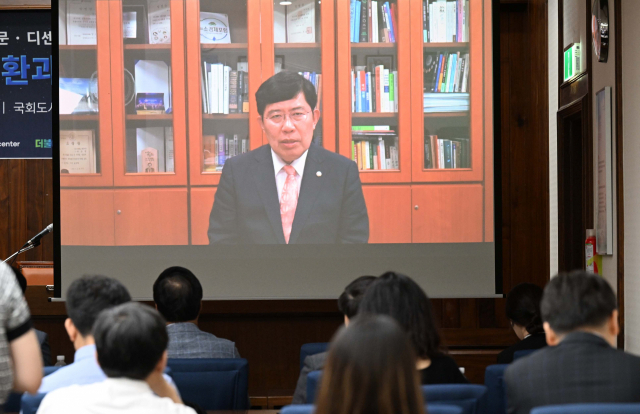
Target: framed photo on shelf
(134, 22)
(384, 60)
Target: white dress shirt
(281, 174)
(113, 395)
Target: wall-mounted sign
(600, 29)
(571, 61)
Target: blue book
(367, 94)
(454, 62)
(221, 149)
(447, 153)
(357, 22)
(363, 93)
(352, 13)
(435, 85)
(358, 94)
(392, 37)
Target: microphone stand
(26, 247)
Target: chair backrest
(298, 409)
(12, 405)
(589, 408)
(213, 384)
(30, 403)
(494, 381)
(470, 397)
(523, 353)
(313, 381)
(443, 409)
(312, 349)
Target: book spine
(466, 21)
(357, 22)
(375, 32)
(364, 21)
(387, 9)
(221, 149)
(427, 152)
(392, 91)
(369, 22)
(459, 13)
(447, 153)
(233, 91)
(396, 91)
(369, 104)
(465, 79)
(225, 97)
(452, 73)
(394, 20)
(220, 81)
(382, 154)
(385, 91)
(353, 151)
(352, 20)
(213, 93)
(363, 92)
(442, 71)
(425, 31)
(353, 92)
(383, 27)
(245, 94)
(379, 88)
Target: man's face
(289, 127)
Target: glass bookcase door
(373, 64)
(149, 97)
(85, 107)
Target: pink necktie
(288, 201)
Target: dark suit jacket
(533, 341)
(331, 206)
(313, 362)
(583, 368)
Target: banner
(25, 84)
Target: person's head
(131, 341)
(86, 298)
(370, 369)
(579, 301)
(178, 294)
(287, 113)
(398, 296)
(349, 300)
(22, 281)
(523, 309)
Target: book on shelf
(77, 152)
(375, 147)
(438, 102)
(446, 72)
(214, 28)
(373, 21)
(159, 21)
(316, 80)
(216, 149)
(224, 89)
(81, 22)
(445, 21)
(301, 21)
(154, 149)
(441, 153)
(375, 91)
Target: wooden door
(86, 218)
(389, 210)
(201, 204)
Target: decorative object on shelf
(134, 24)
(153, 76)
(572, 61)
(600, 29)
(604, 220)
(129, 87)
(160, 139)
(159, 21)
(76, 96)
(214, 28)
(81, 22)
(77, 152)
(301, 21)
(149, 103)
(278, 64)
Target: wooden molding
(619, 168)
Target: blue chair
(313, 381)
(298, 409)
(470, 397)
(589, 408)
(12, 405)
(523, 353)
(213, 384)
(31, 403)
(494, 381)
(312, 349)
(443, 409)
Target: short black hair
(90, 295)
(22, 281)
(130, 340)
(577, 300)
(400, 297)
(523, 307)
(178, 294)
(350, 299)
(283, 86)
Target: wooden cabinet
(201, 203)
(389, 210)
(87, 218)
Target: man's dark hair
(22, 281)
(398, 296)
(349, 300)
(523, 307)
(178, 294)
(90, 295)
(283, 86)
(577, 300)
(130, 340)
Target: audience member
(348, 303)
(20, 366)
(581, 364)
(43, 338)
(178, 296)
(401, 298)
(86, 298)
(523, 310)
(370, 370)
(131, 343)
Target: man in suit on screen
(290, 190)
(581, 363)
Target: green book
(391, 93)
(370, 128)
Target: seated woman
(401, 298)
(370, 369)
(523, 310)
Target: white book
(466, 18)
(301, 21)
(465, 77)
(62, 22)
(159, 21)
(220, 82)
(353, 92)
(279, 23)
(168, 149)
(374, 21)
(205, 88)
(379, 72)
(441, 153)
(451, 21)
(225, 98)
(152, 76)
(384, 97)
(81, 22)
(369, 94)
(367, 158)
(395, 91)
(213, 89)
(150, 137)
(214, 28)
(441, 20)
(432, 24)
(383, 155)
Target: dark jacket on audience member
(533, 341)
(186, 340)
(311, 363)
(443, 370)
(583, 368)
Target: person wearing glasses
(289, 191)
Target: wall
(553, 135)
(631, 145)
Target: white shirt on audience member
(113, 395)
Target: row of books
(445, 20)
(375, 91)
(373, 21)
(218, 149)
(224, 91)
(375, 147)
(443, 153)
(446, 72)
(150, 150)
(450, 102)
(78, 152)
(316, 80)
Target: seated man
(131, 343)
(178, 296)
(348, 303)
(581, 364)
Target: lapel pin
(319, 173)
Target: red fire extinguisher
(590, 251)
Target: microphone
(36, 239)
